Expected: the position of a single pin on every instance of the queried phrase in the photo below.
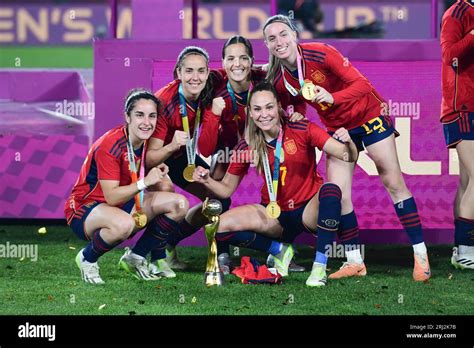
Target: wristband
(141, 185)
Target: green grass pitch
(52, 285)
(16, 57)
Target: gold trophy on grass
(211, 208)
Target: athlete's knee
(394, 185)
(180, 206)
(166, 186)
(123, 226)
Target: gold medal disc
(308, 91)
(273, 210)
(188, 172)
(140, 219)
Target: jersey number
(283, 175)
(378, 126)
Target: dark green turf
(49, 285)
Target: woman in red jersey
(108, 202)
(185, 102)
(343, 97)
(223, 127)
(294, 196)
(457, 116)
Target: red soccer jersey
(170, 119)
(107, 160)
(299, 180)
(223, 131)
(355, 99)
(457, 69)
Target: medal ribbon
(289, 87)
(190, 143)
(134, 171)
(235, 108)
(272, 184)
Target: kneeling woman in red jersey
(108, 202)
(294, 196)
(224, 125)
(343, 97)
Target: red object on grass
(252, 272)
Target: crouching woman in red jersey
(108, 203)
(294, 196)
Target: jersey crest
(318, 76)
(290, 147)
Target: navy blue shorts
(79, 219)
(177, 165)
(371, 132)
(292, 223)
(460, 129)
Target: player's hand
(201, 175)
(296, 116)
(342, 134)
(218, 105)
(322, 95)
(153, 177)
(179, 139)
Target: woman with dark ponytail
(185, 102)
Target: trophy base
(214, 278)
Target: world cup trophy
(211, 208)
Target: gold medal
(308, 91)
(140, 219)
(188, 172)
(273, 210)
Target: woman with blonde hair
(294, 196)
(317, 73)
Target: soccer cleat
(293, 267)
(318, 276)
(421, 269)
(225, 264)
(89, 270)
(462, 261)
(173, 261)
(160, 268)
(136, 265)
(349, 270)
(283, 259)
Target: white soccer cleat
(136, 265)
(293, 267)
(89, 270)
(160, 268)
(318, 277)
(464, 260)
(173, 261)
(283, 259)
